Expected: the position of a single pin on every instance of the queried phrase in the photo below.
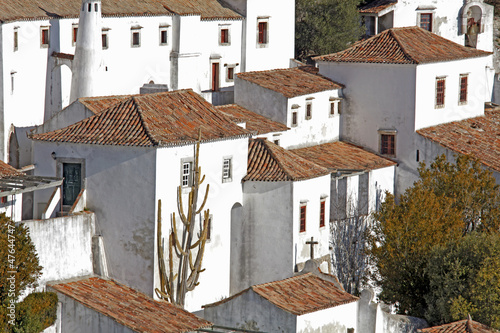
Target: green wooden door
(72, 184)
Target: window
(209, 228)
(263, 33)
(16, 39)
(440, 92)
(215, 76)
(224, 36)
(426, 21)
(90, 7)
(230, 74)
(332, 109)
(303, 218)
(463, 88)
(276, 142)
(339, 106)
(96, 7)
(105, 40)
(308, 110)
(187, 174)
(322, 213)
(387, 144)
(136, 37)
(294, 118)
(226, 170)
(163, 36)
(74, 34)
(44, 37)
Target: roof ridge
(276, 159)
(143, 123)
(402, 47)
(300, 276)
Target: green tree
(325, 26)
(464, 278)
(447, 202)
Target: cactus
(175, 286)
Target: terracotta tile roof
(14, 10)
(254, 122)
(290, 82)
(408, 45)
(270, 162)
(376, 6)
(99, 104)
(479, 137)
(129, 307)
(162, 119)
(6, 170)
(462, 326)
(300, 294)
(342, 155)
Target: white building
(428, 80)
(469, 23)
(200, 45)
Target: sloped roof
(129, 307)
(254, 122)
(376, 6)
(99, 104)
(162, 119)
(462, 326)
(15, 10)
(7, 170)
(291, 82)
(408, 45)
(300, 294)
(342, 155)
(479, 137)
(270, 162)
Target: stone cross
(312, 243)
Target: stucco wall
(332, 320)
(253, 312)
(380, 181)
(63, 245)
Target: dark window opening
(224, 36)
(387, 146)
(302, 218)
(262, 32)
(463, 89)
(322, 214)
(440, 89)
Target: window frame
(295, 118)
(135, 31)
(16, 38)
(322, 213)
(440, 99)
(227, 34)
(389, 148)
(227, 177)
(188, 175)
(163, 30)
(309, 109)
(303, 218)
(463, 90)
(45, 37)
(262, 31)
(230, 72)
(74, 33)
(105, 37)
(430, 24)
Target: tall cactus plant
(183, 272)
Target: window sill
(439, 106)
(227, 180)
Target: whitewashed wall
(12, 207)
(380, 181)
(332, 320)
(214, 282)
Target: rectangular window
(230, 73)
(440, 92)
(136, 37)
(387, 144)
(294, 118)
(463, 88)
(105, 41)
(215, 76)
(74, 34)
(309, 110)
(163, 36)
(224, 36)
(187, 174)
(226, 170)
(339, 107)
(263, 37)
(302, 218)
(332, 109)
(44, 37)
(322, 213)
(16, 39)
(426, 21)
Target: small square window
(464, 78)
(16, 39)
(294, 118)
(74, 34)
(303, 218)
(187, 174)
(322, 208)
(263, 33)
(163, 36)
(388, 144)
(277, 142)
(309, 110)
(224, 36)
(136, 38)
(226, 170)
(440, 92)
(105, 40)
(44, 37)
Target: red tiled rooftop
(300, 294)
(129, 307)
(99, 104)
(14, 10)
(376, 6)
(6, 170)
(409, 45)
(270, 162)
(291, 82)
(254, 122)
(462, 326)
(342, 155)
(162, 119)
(478, 137)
